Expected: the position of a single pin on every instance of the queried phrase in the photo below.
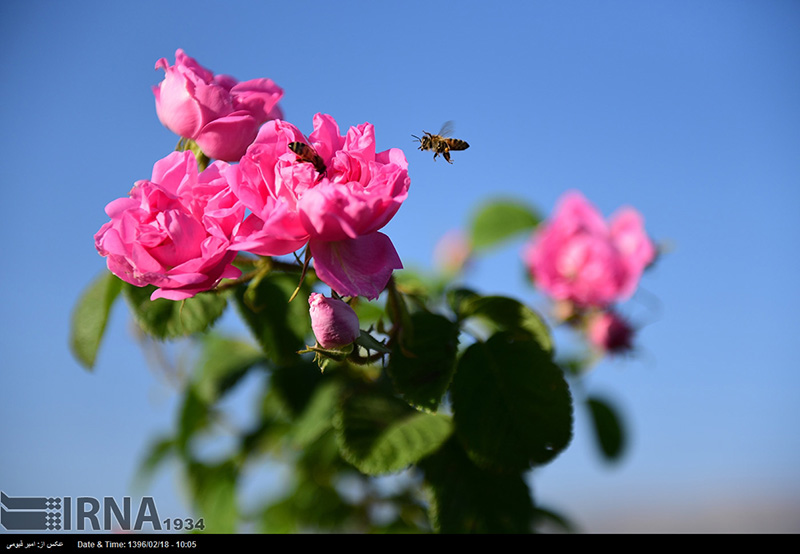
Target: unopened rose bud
(610, 333)
(333, 321)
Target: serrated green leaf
(279, 326)
(224, 361)
(507, 314)
(512, 407)
(422, 367)
(90, 316)
(609, 432)
(381, 434)
(468, 499)
(167, 319)
(500, 220)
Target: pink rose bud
(219, 113)
(333, 321)
(610, 333)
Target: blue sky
(688, 111)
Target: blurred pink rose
(216, 111)
(333, 321)
(338, 212)
(174, 230)
(452, 252)
(577, 256)
(609, 333)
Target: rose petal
(356, 267)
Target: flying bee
(441, 143)
(306, 153)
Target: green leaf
(501, 220)
(609, 432)
(397, 310)
(458, 298)
(371, 343)
(295, 385)
(507, 314)
(279, 326)
(317, 417)
(90, 316)
(422, 366)
(223, 363)
(166, 319)
(310, 507)
(157, 452)
(381, 434)
(468, 499)
(194, 416)
(368, 312)
(512, 406)
(413, 282)
(213, 489)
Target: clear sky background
(689, 111)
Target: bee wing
(447, 129)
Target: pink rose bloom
(453, 251)
(337, 211)
(578, 257)
(333, 321)
(174, 230)
(609, 333)
(216, 111)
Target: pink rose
(174, 230)
(609, 333)
(578, 257)
(334, 196)
(452, 252)
(333, 321)
(216, 111)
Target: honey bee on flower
(306, 153)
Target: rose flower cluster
(587, 264)
(181, 229)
